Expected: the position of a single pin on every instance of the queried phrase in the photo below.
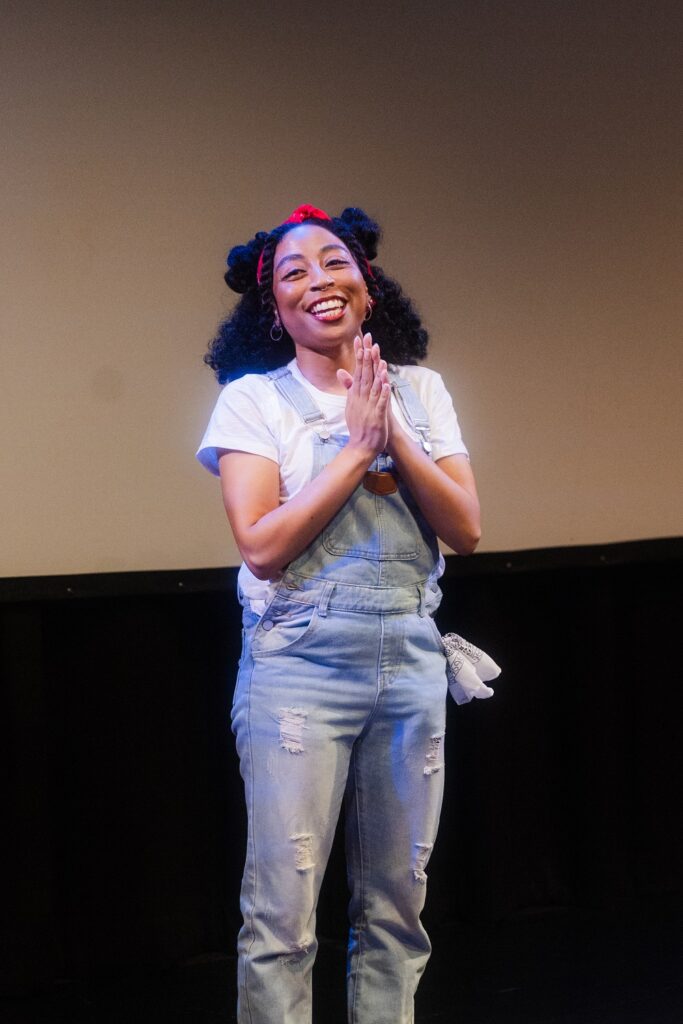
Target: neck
(320, 368)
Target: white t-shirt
(250, 416)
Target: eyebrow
(299, 256)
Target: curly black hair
(243, 343)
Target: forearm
(276, 538)
(269, 536)
(451, 509)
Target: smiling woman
(340, 467)
(248, 340)
(318, 290)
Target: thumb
(345, 378)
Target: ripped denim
(338, 704)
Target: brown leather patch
(379, 483)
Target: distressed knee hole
(295, 961)
(292, 724)
(433, 758)
(422, 854)
(303, 851)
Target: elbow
(258, 572)
(466, 542)
(259, 558)
(261, 570)
(469, 548)
(259, 565)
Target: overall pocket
(379, 527)
(283, 626)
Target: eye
(338, 261)
(292, 273)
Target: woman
(341, 462)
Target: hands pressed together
(444, 490)
(368, 406)
(270, 533)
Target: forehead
(307, 239)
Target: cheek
(285, 299)
(291, 315)
(362, 288)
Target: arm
(444, 490)
(269, 534)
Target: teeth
(326, 306)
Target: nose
(321, 279)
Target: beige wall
(524, 159)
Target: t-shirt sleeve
(244, 420)
(446, 437)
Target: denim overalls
(340, 698)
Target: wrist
(359, 454)
(399, 442)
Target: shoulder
(436, 400)
(251, 385)
(420, 376)
(254, 394)
(245, 417)
(427, 383)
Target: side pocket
(240, 663)
(284, 626)
(437, 634)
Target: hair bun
(364, 228)
(242, 262)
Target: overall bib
(341, 699)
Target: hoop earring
(368, 311)
(276, 331)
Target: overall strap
(412, 408)
(298, 397)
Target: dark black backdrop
(124, 820)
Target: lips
(328, 309)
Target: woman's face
(319, 291)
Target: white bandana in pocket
(468, 669)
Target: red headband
(298, 216)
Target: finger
(375, 359)
(358, 367)
(345, 378)
(381, 378)
(376, 385)
(380, 374)
(383, 399)
(368, 373)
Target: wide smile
(328, 310)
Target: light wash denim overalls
(340, 698)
